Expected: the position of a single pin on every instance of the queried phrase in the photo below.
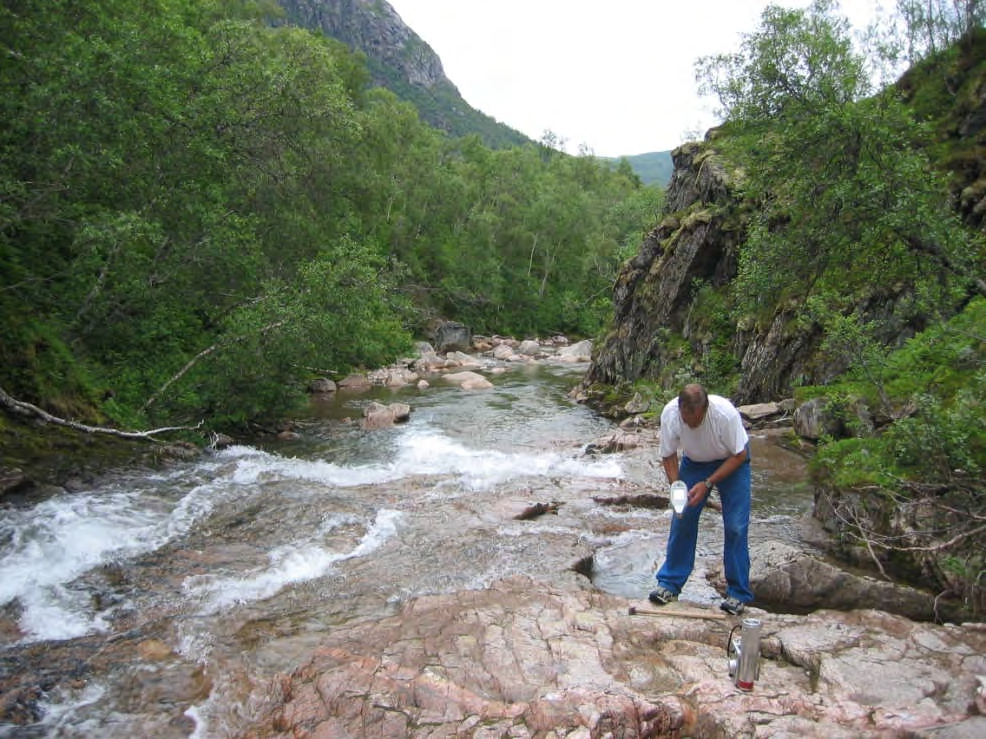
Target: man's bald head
(693, 397)
(693, 401)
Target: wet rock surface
(523, 659)
(789, 579)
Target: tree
(930, 26)
(798, 62)
(837, 179)
(167, 165)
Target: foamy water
(290, 564)
(52, 545)
(48, 547)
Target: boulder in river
(796, 580)
(377, 415)
(453, 336)
(469, 380)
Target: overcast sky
(617, 76)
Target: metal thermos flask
(743, 653)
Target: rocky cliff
(670, 323)
(657, 332)
(374, 28)
(401, 61)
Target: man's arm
(728, 467)
(671, 467)
(701, 489)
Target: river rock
(523, 659)
(636, 404)
(427, 359)
(620, 440)
(482, 344)
(322, 386)
(812, 422)
(506, 353)
(356, 382)
(12, 480)
(757, 411)
(461, 359)
(378, 416)
(394, 376)
(469, 380)
(783, 575)
(580, 351)
(453, 336)
(529, 348)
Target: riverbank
(204, 599)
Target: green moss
(697, 217)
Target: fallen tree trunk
(22, 408)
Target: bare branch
(181, 373)
(27, 409)
(201, 355)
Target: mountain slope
(401, 61)
(652, 168)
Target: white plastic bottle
(679, 497)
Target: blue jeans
(734, 492)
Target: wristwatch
(708, 485)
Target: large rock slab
(521, 659)
(791, 579)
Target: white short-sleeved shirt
(720, 435)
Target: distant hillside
(653, 168)
(401, 61)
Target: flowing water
(160, 603)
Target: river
(159, 603)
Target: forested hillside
(202, 207)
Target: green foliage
(799, 61)
(935, 388)
(943, 439)
(835, 179)
(855, 463)
(712, 325)
(197, 208)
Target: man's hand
(699, 492)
